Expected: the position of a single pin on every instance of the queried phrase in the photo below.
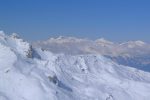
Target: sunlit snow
(28, 73)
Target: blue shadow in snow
(63, 86)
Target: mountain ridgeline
(132, 53)
(28, 72)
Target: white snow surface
(49, 76)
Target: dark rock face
(53, 79)
(30, 52)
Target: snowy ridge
(15, 43)
(131, 53)
(49, 76)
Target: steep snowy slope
(47, 76)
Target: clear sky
(117, 20)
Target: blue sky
(116, 20)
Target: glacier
(32, 73)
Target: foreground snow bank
(47, 76)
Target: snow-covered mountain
(131, 53)
(28, 73)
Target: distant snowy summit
(96, 46)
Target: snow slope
(47, 76)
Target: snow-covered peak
(15, 35)
(15, 43)
(103, 42)
(140, 43)
(132, 44)
(63, 39)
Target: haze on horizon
(114, 20)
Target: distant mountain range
(131, 53)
